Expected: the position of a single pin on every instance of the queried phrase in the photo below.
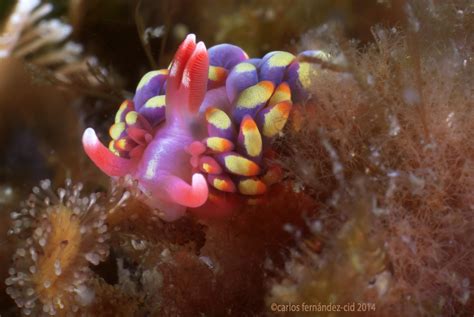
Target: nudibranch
(206, 124)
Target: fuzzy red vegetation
(397, 121)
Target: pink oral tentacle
(108, 162)
(182, 193)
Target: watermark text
(320, 307)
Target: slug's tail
(187, 81)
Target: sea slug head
(152, 135)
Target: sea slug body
(205, 125)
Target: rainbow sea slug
(206, 124)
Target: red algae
(395, 170)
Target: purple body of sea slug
(206, 124)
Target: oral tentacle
(182, 193)
(107, 161)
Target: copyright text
(319, 307)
